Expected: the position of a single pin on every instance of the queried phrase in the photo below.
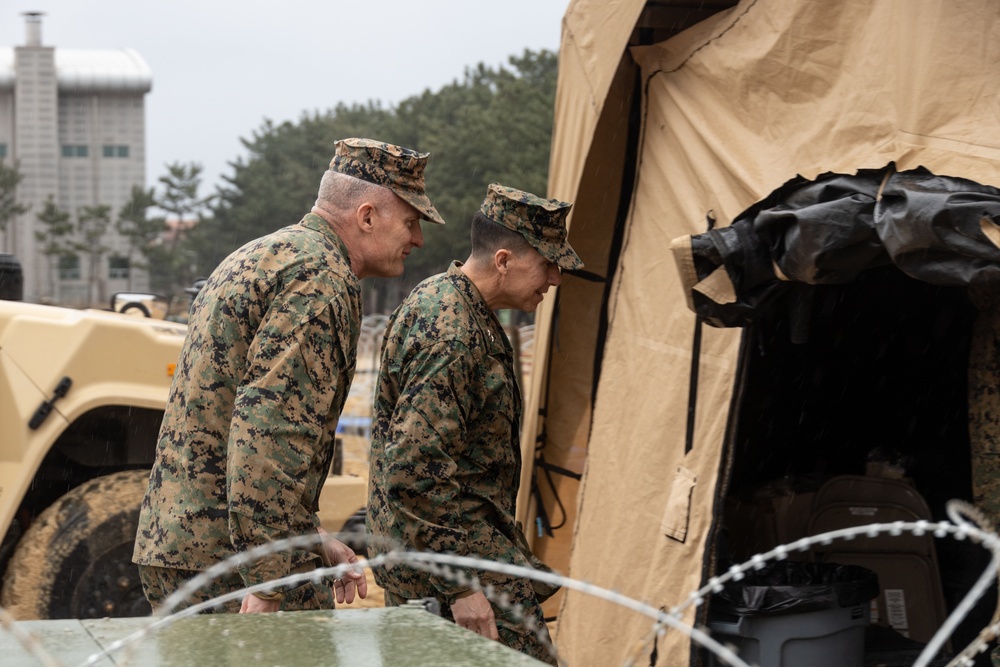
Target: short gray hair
(344, 192)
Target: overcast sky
(220, 67)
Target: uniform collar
(319, 224)
(487, 318)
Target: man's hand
(254, 605)
(473, 611)
(352, 582)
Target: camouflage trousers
(158, 583)
(510, 625)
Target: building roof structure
(121, 69)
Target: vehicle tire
(75, 561)
(353, 533)
(135, 306)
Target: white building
(74, 120)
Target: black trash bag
(789, 587)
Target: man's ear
(501, 260)
(363, 215)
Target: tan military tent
(668, 112)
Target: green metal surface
(391, 637)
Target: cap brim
(422, 204)
(561, 254)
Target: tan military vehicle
(82, 394)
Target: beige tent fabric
(844, 95)
(587, 64)
(734, 108)
(567, 367)
(594, 35)
(587, 146)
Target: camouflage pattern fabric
(445, 461)
(984, 400)
(394, 167)
(541, 221)
(984, 408)
(158, 583)
(248, 434)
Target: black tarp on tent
(937, 229)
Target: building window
(69, 267)
(3, 150)
(115, 151)
(118, 267)
(74, 150)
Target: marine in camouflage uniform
(984, 408)
(248, 435)
(445, 459)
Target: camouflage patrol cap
(394, 167)
(542, 222)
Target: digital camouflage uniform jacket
(445, 459)
(248, 434)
